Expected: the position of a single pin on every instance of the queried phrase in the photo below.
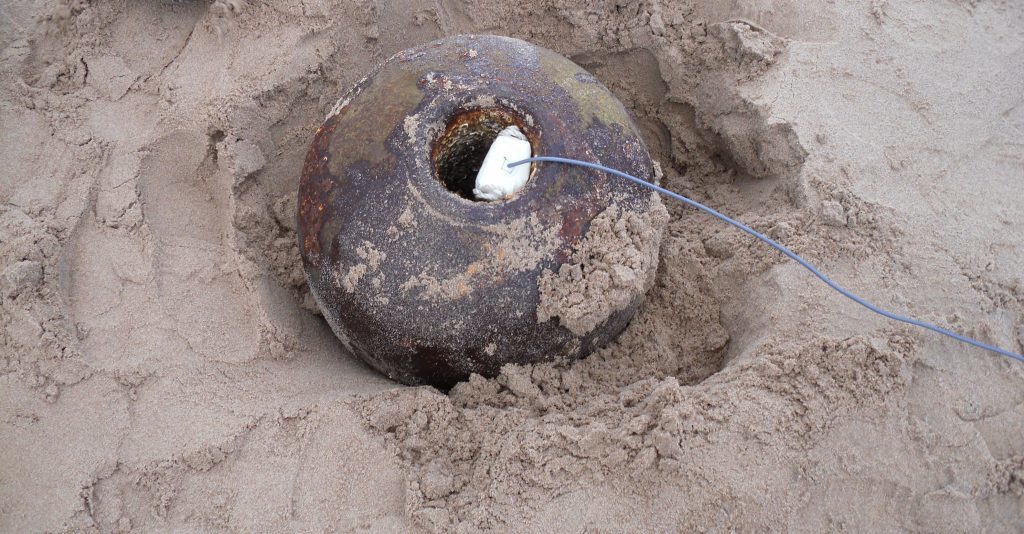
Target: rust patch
(316, 188)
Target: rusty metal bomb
(414, 276)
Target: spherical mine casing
(429, 285)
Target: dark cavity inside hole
(461, 149)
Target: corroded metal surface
(428, 286)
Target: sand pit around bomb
(187, 384)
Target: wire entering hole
(460, 150)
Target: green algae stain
(595, 102)
(365, 124)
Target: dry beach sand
(164, 366)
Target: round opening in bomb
(461, 148)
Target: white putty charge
(496, 180)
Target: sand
(164, 366)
